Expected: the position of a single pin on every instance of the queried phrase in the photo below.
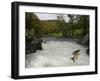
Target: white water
(57, 54)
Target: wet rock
(39, 45)
(84, 40)
(87, 51)
(32, 43)
(33, 46)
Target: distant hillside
(49, 26)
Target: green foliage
(57, 35)
(62, 25)
(83, 22)
(33, 23)
(49, 26)
(33, 33)
(77, 26)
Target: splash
(57, 54)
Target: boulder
(84, 40)
(33, 46)
(87, 51)
(32, 43)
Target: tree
(33, 23)
(83, 23)
(62, 25)
(71, 25)
(78, 24)
(33, 33)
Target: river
(57, 53)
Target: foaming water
(56, 54)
